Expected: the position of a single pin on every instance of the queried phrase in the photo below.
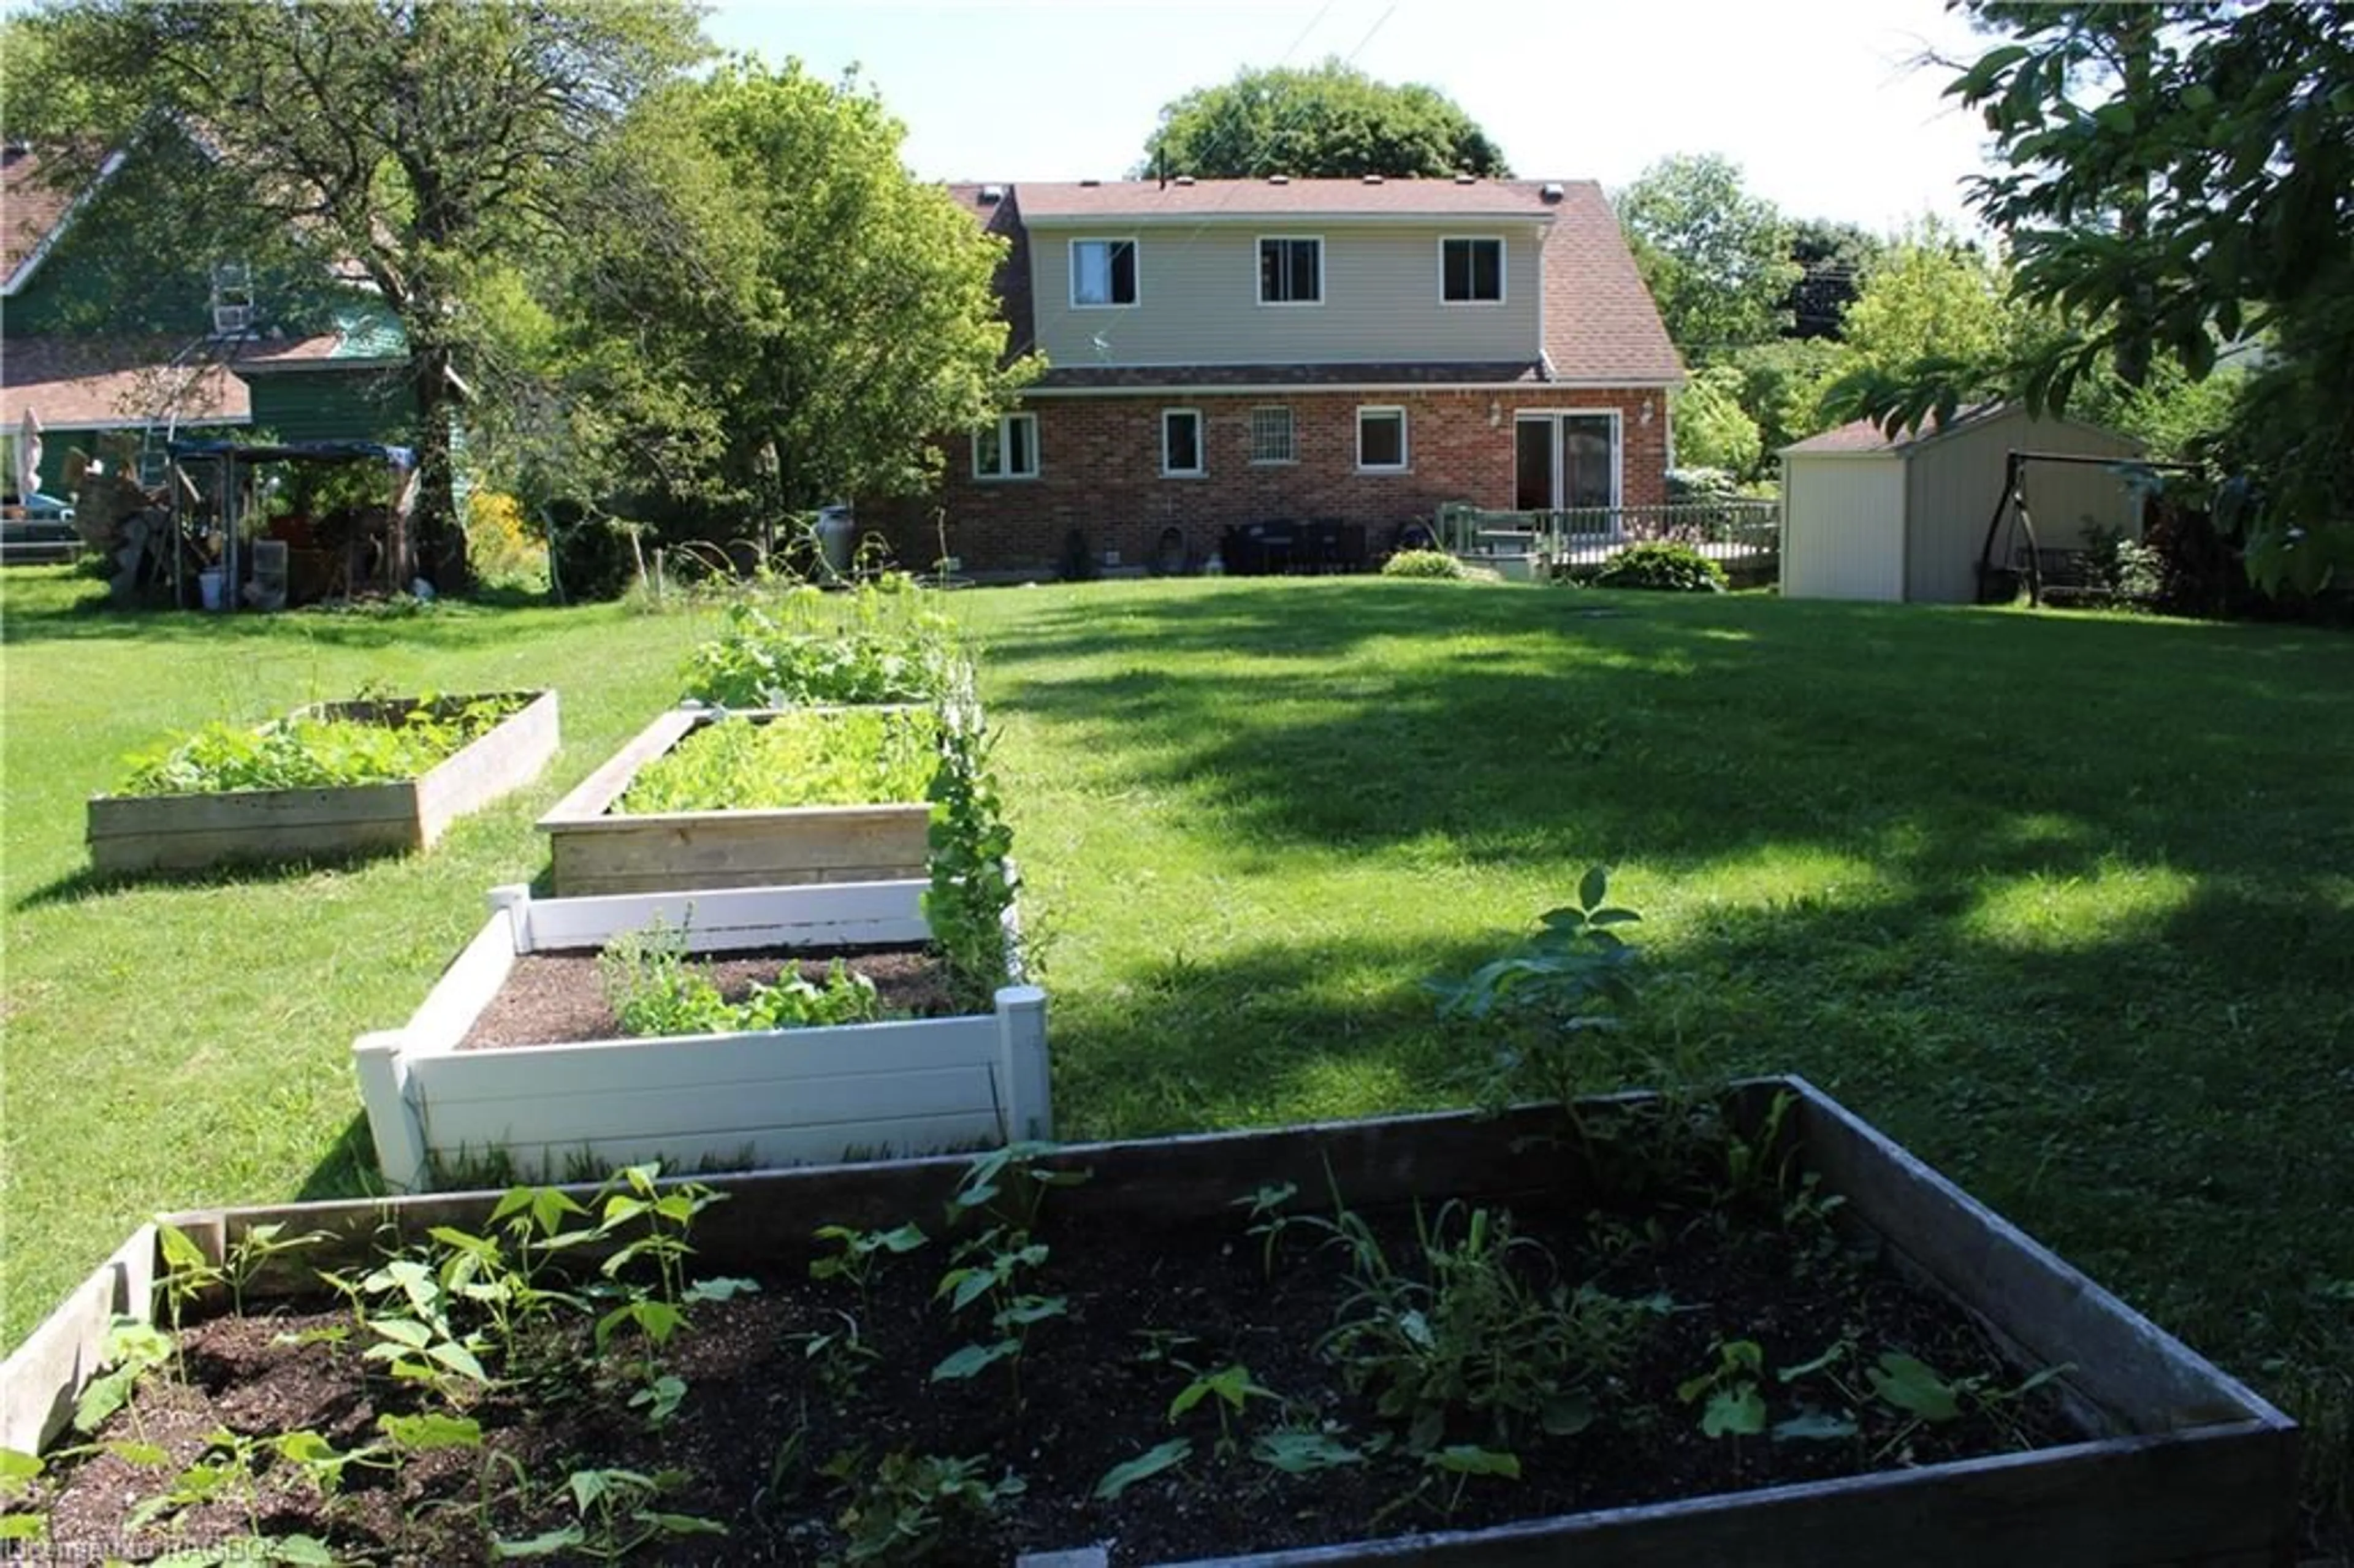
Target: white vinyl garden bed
(782, 1096)
(189, 833)
(594, 848)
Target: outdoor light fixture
(1495, 413)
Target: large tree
(798, 319)
(1717, 258)
(1332, 122)
(432, 143)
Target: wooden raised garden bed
(189, 833)
(594, 848)
(782, 1096)
(2145, 1455)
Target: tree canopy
(1717, 259)
(2188, 185)
(1328, 121)
(431, 142)
(797, 319)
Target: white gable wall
(1843, 530)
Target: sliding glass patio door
(1562, 461)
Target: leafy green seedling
(1143, 1467)
(1232, 1389)
(1734, 1408)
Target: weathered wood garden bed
(601, 839)
(153, 831)
(1765, 1337)
(742, 1098)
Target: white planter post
(514, 900)
(393, 1121)
(1022, 1063)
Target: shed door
(1844, 536)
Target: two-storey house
(1231, 351)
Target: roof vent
(1550, 190)
(1090, 182)
(1467, 178)
(1373, 179)
(1279, 179)
(1184, 180)
(992, 194)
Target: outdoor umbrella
(29, 457)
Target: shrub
(500, 545)
(1677, 569)
(592, 558)
(1422, 564)
(1701, 484)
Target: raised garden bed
(743, 1098)
(2130, 1452)
(141, 832)
(599, 844)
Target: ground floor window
(1381, 439)
(1181, 442)
(1006, 450)
(1271, 438)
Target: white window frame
(1618, 417)
(1290, 436)
(1405, 463)
(1258, 270)
(1503, 267)
(1000, 430)
(1137, 268)
(1201, 468)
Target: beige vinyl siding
(1953, 484)
(1843, 536)
(1198, 299)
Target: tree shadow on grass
(1689, 732)
(88, 882)
(345, 1168)
(454, 624)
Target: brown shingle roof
(113, 381)
(1863, 436)
(30, 209)
(1416, 373)
(1601, 327)
(1256, 199)
(1002, 216)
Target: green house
(117, 349)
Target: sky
(1816, 99)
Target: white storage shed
(1869, 516)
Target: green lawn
(2064, 903)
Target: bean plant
(883, 641)
(307, 751)
(806, 757)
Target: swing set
(2007, 556)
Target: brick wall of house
(1100, 472)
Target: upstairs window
(1103, 272)
(1290, 271)
(1471, 271)
(1006, 450)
